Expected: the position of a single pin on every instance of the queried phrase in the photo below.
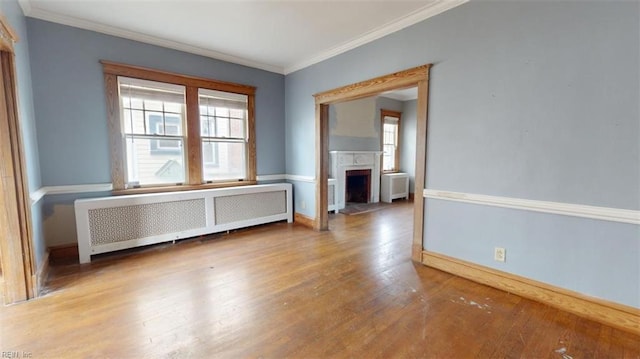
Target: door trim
(16, 254)
(417, 76)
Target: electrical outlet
(303, 204)
(500, 254)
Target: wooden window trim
(193, 145)
(398, 115)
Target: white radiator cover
(332, 193)
(394, 185)
(113, 223)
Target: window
(223, 118)
(390, 140)
(152, 115)
(174, 132)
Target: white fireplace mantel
(343, 161)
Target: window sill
(163, 189)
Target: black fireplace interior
(358, 186)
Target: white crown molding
(26, 6)
(567, 209)
(81, 188)
(276, 177)
(37, 13)
(433, 9)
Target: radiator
(331, 193)
(113, 223)
(394, 185)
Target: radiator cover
(114, 223)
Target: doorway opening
(415, 77)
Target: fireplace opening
(358, 186)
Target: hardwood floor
(283, 290)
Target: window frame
(396, 165)
(192, 142)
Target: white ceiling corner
(277, 36)
(432, 9)
(37, 13)
(402, 95)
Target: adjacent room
(311, 179)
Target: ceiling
(275, 35)
(402, 95)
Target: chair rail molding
(273, 177)
(299, 178)
(567, 209)
(38, 194)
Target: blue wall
(408, 141)
(13, 13)
(533, 100)
(71, 114)
(70, 100)
(352, 143)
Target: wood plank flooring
(284, 291)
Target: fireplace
(358, 186)
(365, 186)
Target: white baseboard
(567, 209)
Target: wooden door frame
(16, 254)
(417, 76)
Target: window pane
(164, 124)
(136, 103)
(173, 107)
(126, 119)
(236, 113)
(154, 161)
(222, 112)
(205, 126)
(388, 158)
(390, 133)
(222, 127)
(210, 153)
(227, 161)
(237, 128)
(136, 121)
(152, 105)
